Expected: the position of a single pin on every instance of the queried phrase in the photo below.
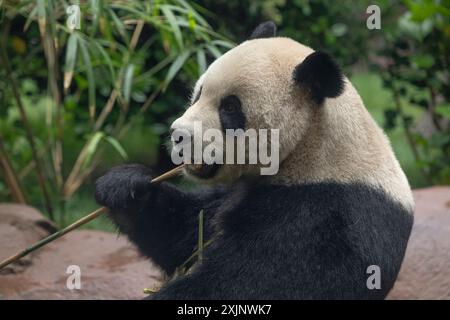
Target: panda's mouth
(203, 170)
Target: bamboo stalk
(10, 175)
(91, 216)
(115, 93)
(28, 131)
(169, 174)
(76, 177)
(51, 55)
(53, 236)
(200, 236)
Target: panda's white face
(266, 84)
(250, 87)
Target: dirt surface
(425, 272)
(111, 268)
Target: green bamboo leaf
(41, 15)
(107, 59)
(90, 77)
(96, 10)
(176, 66)
(117, 146)
(214, 51)
(224, 44)
(191, 20)
(155, 11)
(201, 61)
(173, 24)
(127, 83)
(139, 14)
(423, 61)
(71, 58)
(30, 18)
(149, 75)
(92, 148)
(206, 33)
(119, 24)
(443, 110)
(51, 16)
(195, 14)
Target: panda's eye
(229, 108)
(231, 114)
(230, 104)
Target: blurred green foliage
(417, 73)
(338, 27)
(97, 95)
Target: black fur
(275, 242)
(321, 75)
(231, 114)
(266, 29)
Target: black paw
(123, 186)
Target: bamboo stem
(169, 174)
(53, 236)
(91, 216)
(115, 93)
(200, 236)
(51, 55)
(10, 175)
(28, 131)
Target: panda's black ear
(321, 75)
(266, 29)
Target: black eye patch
(230, 113)
(197, 96)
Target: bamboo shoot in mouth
(202, 170)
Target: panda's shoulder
(339, 205)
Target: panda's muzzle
(182, 133)
(203, 171)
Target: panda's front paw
(123, 186)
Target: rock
(111, 268)
(20, 226)
(425, 273)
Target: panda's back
(320, 240)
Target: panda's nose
(178, 140)
(175, 138)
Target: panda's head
(267, 82)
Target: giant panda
(339, 208)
